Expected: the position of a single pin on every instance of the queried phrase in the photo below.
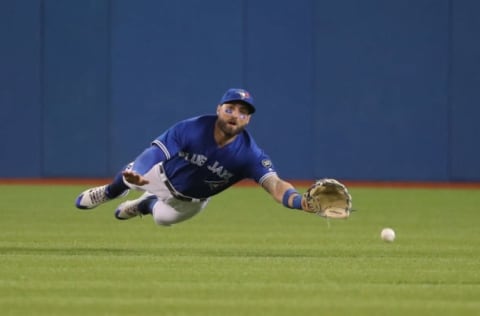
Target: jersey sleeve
(260, 168)
(171, 141)
(147, 159)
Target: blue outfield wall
(21, 130)
(357, 90)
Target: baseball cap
(235, 94)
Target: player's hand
(134, 178)
(305, 205)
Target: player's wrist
(297, 202)
(305, 206)
(292, 199)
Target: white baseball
(387, 235)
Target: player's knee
(161, 218)
(161, 222)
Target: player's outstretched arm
(134, 178)
(144, 162)
(285, 193)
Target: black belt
(174, 192)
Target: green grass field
(244, 255)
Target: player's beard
(229, 130)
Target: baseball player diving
(198, 158)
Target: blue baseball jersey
(197, 167)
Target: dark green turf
(244, 255)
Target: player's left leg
(173, 211)
(158, 201)
(165, 213)
(138, 207)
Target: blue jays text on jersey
(197, 167)
(199, 160)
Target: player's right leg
(93, 197)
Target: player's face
(232, 118)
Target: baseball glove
(329, 198)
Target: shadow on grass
(179, 251)
(67, 251)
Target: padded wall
(370, 90)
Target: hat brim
(251, 108)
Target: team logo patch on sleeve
(266, 163)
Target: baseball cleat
(131, 208)
(93, 197)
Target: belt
(172, 190)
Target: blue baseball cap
(239, 95)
